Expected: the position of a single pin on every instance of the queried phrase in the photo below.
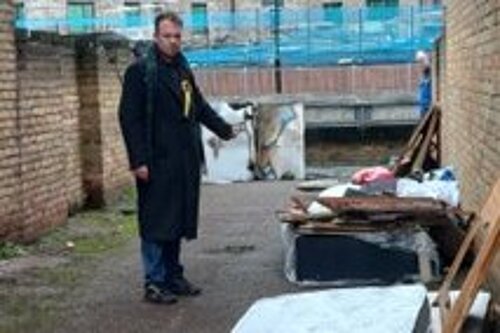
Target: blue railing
(306, 37)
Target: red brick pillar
(9, 122)
(104, 163)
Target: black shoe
(182, 287)
(157, 295)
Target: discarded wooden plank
(340, 225)
(423, 149)
(298, 217)
(406, 157)
(334, 228)
(473, 281)
(423, 145)
(443, 297)
(385, 205)
(453, 315)
(490, 211)
(424, 122)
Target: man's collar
(169, 60)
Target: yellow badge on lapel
(187, 91)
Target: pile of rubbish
(391, 214)
(413, 192)
(377, 203)
(372, 234)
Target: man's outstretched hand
(237, 129)
(141, 173)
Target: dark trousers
(161, 261)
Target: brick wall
(60, 143)
(39, 137)
(89, 120)
(9, 139)
(42, 153)
(471, 100)
(471, 116)
(105, 167)
(71, 126)
(115, 169)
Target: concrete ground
(237, 259)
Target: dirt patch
(16, 266)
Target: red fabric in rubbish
(369, 175)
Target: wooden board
(491, 212)
(424, 144)
(491, 208)
(454, 315)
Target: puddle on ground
(231, 249)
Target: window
(268, 3)
(380, 10)
(382, 3)
(132, 13)
(79, 10)
(199, 17)
(429, 2)
(78, 13)
(332, 11)
(19, 11)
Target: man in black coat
(161, 109)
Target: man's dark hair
(169, 16)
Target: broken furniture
(354, 258)
(365, 241)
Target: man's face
(168, 38)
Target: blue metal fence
(297, 37)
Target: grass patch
(25, 313)
(95, 231)
(34, 298)
(10, 250)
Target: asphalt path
(237, 259)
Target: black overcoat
(168, 141)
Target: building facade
(88, 8)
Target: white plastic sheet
(227, 161)
(445, 190)
(398, 309)
(280, 141)
(318, 210)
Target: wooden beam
(475, 278)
